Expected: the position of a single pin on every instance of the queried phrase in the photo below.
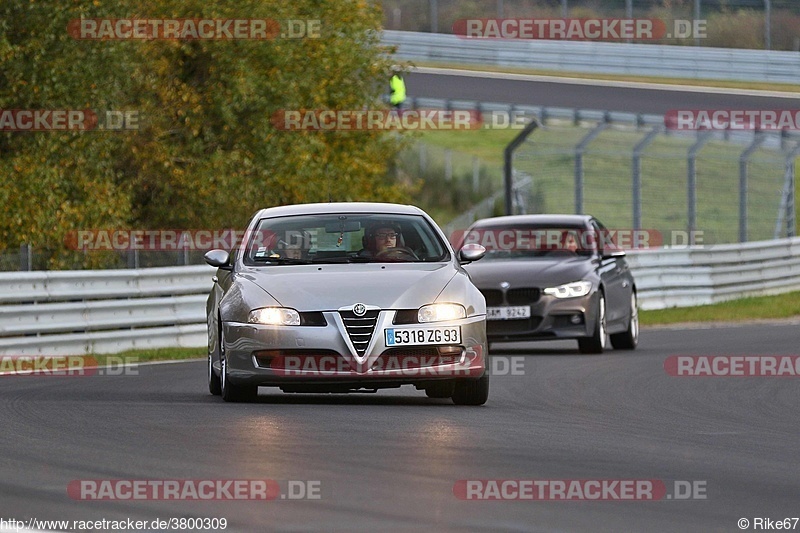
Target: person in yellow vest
(398, 87)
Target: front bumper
(551, 318)
(286, 355)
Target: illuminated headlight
(274, 316)
(570, 290)
(441, 312)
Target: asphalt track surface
(390, 460)
(584, 94)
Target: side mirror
(471, 252)
(218, 258)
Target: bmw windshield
(533, 241)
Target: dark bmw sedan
(549, 277)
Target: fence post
(767, 25)
(508, 163)
(579, 151)
(786, 212)
(448, 164)
(691, 182)
(476, 174)
(697, 17)
(637, 175)
(743, 159)
(423, 159)
(25, 257)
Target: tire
(629, 339)
(214, 384)
(229, 391)
(597, 342)
(444, 389)
(471, 391)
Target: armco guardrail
(705, 275)
(606, 58)
(108, 311)
(103, 311)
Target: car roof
(340, 207)
(552, 219)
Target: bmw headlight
(575, 289)
(274, 316)
(441, 312)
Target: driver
(381, 237)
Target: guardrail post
(637, 174)
(448, 164)
(743, 159)
(691, 183)
(434, 4)
(579, 151)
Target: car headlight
(575, 289)
(274, 316)
(441, 312)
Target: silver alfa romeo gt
(346, 297)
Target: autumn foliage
(205, 154)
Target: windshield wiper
(282, 260)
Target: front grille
(360, 328)
(512, 327)
(493, 297)
(406, 358)
(426, 351)
(522, 296)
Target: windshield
(533, 241)
(344, 238)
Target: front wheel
(214, 385)
(229, 391)
(629, 339)
(597, 342)
(471, 391)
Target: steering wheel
(400, 253)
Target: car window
(532, 241)
(344, 238)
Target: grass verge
(756, 308)
(144, 356)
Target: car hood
(532, 273)
(327, 287)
